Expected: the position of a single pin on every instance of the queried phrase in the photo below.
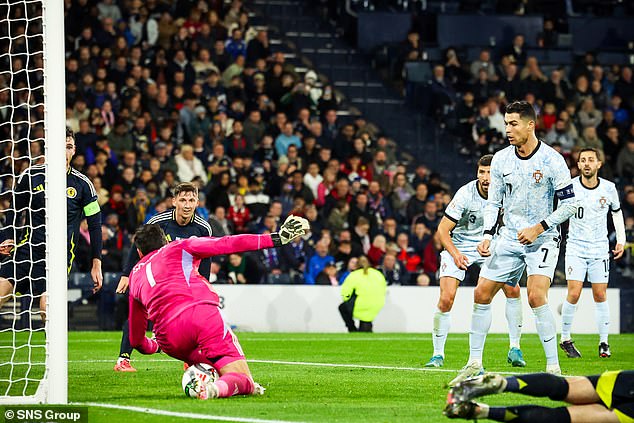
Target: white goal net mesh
(23, 349)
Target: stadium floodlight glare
(33, 356)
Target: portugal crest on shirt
(602, 202)
(71, 192)
(538, 176)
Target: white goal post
(39, 375)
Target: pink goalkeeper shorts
(200, 335)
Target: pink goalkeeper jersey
(166, 282)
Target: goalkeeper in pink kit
(166, 288)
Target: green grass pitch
(309, 377)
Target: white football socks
(602, 315)
(480, 325)
(567, 315)
(514, 320)
(442, 322)
(547, 332)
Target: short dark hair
(485, 160)
(149, 238)
(523, 108)
(185, 187)
(70, 134)
(591, 149)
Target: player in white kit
(588, 250)
(460, 231)
(526, 177)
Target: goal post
(34, 359)
(56, 377)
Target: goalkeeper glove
(293, 227)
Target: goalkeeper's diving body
(166, 288)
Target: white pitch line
(423, 337)
(159, 412)
(315, 364)
(365, 366)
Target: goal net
(33, 350)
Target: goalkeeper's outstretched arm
(292, 228)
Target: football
(197, 378)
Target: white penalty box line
(190, 416)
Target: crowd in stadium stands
(192, 92)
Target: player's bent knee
(536, 299)
(482, 296)
(445, 303)
(573, 296)
(512, 291)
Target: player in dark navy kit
(181, 222)
(25, 272)
(604, 398)
(81, 201)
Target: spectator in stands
(361, 235)
(420, 237)
(510, 83)
(393, 270)
(454, 71)
(285, 139)
(517, 49)
(219, 217)
(239, 214)
(317, 262)
(556, 90)
(258, 47)
(599, 95)
(377, 250)
(559, 136)
(588, 114)
(611, 146)
(235, 46)
(330, 128)
(483, 87)
(189, 166)
(624, 86)
(431, 261)
(416, 204)
(589, 139)
(625, 160)
(621, 115)
(407, 255)
(548, 37)
(244, 269)
(254, 129)
(328, 276)
(581, 90)
(532, 77)
(400, 196)
(483, 62)
(443, 93)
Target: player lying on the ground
(166, 288)
(608, 397)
